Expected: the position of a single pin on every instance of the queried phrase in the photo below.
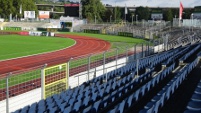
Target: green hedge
(53, 29)
(12, 28)
(41, 29)
(125, 34)
(91, 31)
(64, 30)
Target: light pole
(110, 18)
(132, 18)
(115, 12)
(95, 19)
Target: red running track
(84, 45)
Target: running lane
(84, 45)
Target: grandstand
(153, 84)
(29, 24)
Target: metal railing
(22, 88)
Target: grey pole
(137, 64)
(89, 61)
(104, 62)
(142, 51)
(7, 92)
(126, 54)
(43, 81)
(158, 45)
(117, 52)
(68, 73)
(148, 48)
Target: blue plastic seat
(86, 101)
(25, 109)
(196, 97)
(71, 101)
(120, 109)
(149, 110)
(95, 107)
(32, 108)
(136, 95)
(53, 110)
(192, 111)
(156, 106)
(87, 110)
(76, 106)
(113, 110)
(63, 106)
(194, 105)
(68, 109)
(129, 101)
(198, 90)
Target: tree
(7, 8)
(92, 9)
(143, 13)
(107, 15)
(168, 15)
(13, 7)
(117, 14)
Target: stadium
(56, 58)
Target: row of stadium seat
(190, 53)
(105, 91)
(135, 97)
(159, 100)
(194, 105)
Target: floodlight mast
(80, 9)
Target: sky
(153, 3)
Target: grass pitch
(116, 41)
(13, 46)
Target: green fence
(12, 28)
(53, 29)
(91, 31)
(127, 34)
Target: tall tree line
(8, 7)
(91, 10)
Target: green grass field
(116, 41)
(12, 46)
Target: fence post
(137, 68)
(68, 73)
(7, 92)
(142, 51)
(104, 62)
(148, 48)
(89, 61)
(117, 52)
(126, 54)
(43, 81)
(134, 54)
(158, 45)
(106, 76)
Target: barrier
(55, 79)
(12, 28)
(127, 34)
